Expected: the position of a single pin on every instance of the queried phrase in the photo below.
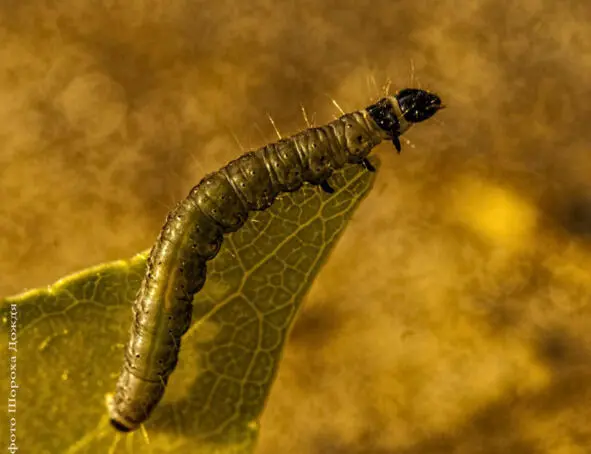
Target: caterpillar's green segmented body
(219, 204)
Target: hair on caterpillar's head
(418, 105)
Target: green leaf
(70, 337)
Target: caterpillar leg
(368, 165)
(326, 187)
(396, 142)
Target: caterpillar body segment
(220, 204)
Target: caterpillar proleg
(220, 204)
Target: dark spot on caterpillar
(320, 148)
(120, 427)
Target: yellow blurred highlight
(496, 214)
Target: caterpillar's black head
(418, 105)
(414, 106)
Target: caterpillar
(194, 230)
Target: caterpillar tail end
(118, 421)
(133, 400)
(119, 427)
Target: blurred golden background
(454, 315)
